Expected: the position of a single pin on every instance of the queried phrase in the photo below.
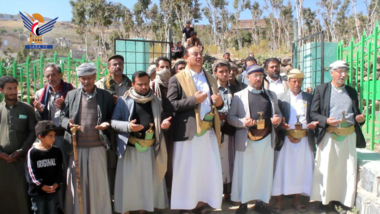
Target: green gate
(30, 72)
(363, 60)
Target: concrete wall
(368, 189)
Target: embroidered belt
(340, 130)
(142, 142)
(255, 135)
(295, 136)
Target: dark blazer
(284, 104)
(320, 111)
(183, 122)
(72, 106)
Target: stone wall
(368, 189)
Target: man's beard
(274, 75)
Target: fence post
(35, 78)
(21, 86)
(63, 67)
(368, 88)
(362, 72)
(27, 79)
(69, 67)
(351, 61)
(14, 69)
(55, 57)
(374, 79)
(97, 68)
(76, 79)
(41, 70)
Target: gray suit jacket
(284, 104)
(240, 110)
(72, 107)
(120, 122)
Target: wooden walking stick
(75, 150)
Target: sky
(62, 8)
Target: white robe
(94, 182)
(137, 186)
(253, 172)
(335, 171)
(294, 162)
(294, 169)
(197, 173)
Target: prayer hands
(332, 122)
(361, 117)
(313, 125)
(248, 122)
(276, 120)
(13, 157)
(135, 127)
(72, 124)
(59, 103)
(38, 106)
(166, 123)
(200, 96)
(49, 189)
(4, 156)
(284, 125)
(217, 100)
(103, 126)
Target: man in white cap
(295, 156)
(255, 114)
(90, 110)
(336, 107)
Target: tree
(328, 12)
(274, 8)
(287, 23)
(309, 18)
(213, 12)
(256, 13)
(299, 12)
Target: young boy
(44, 169)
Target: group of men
(248, 136)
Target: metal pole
(323, 57)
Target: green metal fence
(363, 60)
(31, 72)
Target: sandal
(201, 210)
(300, 208)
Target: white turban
(340, 64)
(296, 74)
(86, 69)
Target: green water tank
(309, 62)
(135, 53)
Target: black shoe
(243, 208)
(260, 208)
(322, 209)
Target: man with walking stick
(92, 108)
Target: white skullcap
(86, 69)
(340, 64)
